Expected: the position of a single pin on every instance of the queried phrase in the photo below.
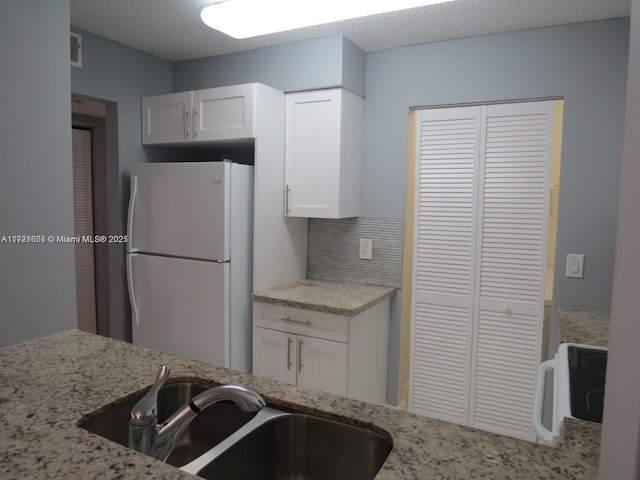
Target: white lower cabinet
(333, 353)
(300, 360)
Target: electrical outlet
(366, 248)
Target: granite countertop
(590, 327)
(348, 299)
(48, 384)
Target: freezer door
(180, 306)
(180, 209)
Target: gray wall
(120, 76)
(584, 63)
(353, 68)
(319, 63)
(620, 447)
(37, 286)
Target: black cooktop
(587, 369)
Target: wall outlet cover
(575, 265)
(366, 248)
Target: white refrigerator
(189, 260)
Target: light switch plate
(575, 265)
(366, 248)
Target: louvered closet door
(510, 276)
(479, 269)
(446, 179)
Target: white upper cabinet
(224, 113)
(167, 118)
(323, 154)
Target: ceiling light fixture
(251, 18)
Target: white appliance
(189, 260)
(578, 388)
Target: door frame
(408, 246)
(107, 218)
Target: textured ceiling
(172, 29)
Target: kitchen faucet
(147, 436)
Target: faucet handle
(145, 412)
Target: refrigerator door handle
(132, 293)
(132, 208)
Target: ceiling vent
(76, 49)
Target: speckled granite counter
(47, 385)
(590, 327)
(346, 299)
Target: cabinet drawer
(301, 322)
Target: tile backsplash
(334, 250)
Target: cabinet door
(224, 113)
(312, 153)
(166, 118)
(322, 364)
(175, 309)
(323, 154)
(444, 262)
(512, 227)
(274, 355)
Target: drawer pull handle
(300, 343)
(289, 342)
(299, 322)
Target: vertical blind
(83, 227)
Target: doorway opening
(82, 140)
(99, 282)
(494, 197)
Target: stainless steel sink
(211, 426)
(225, 442)
(279, 446)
